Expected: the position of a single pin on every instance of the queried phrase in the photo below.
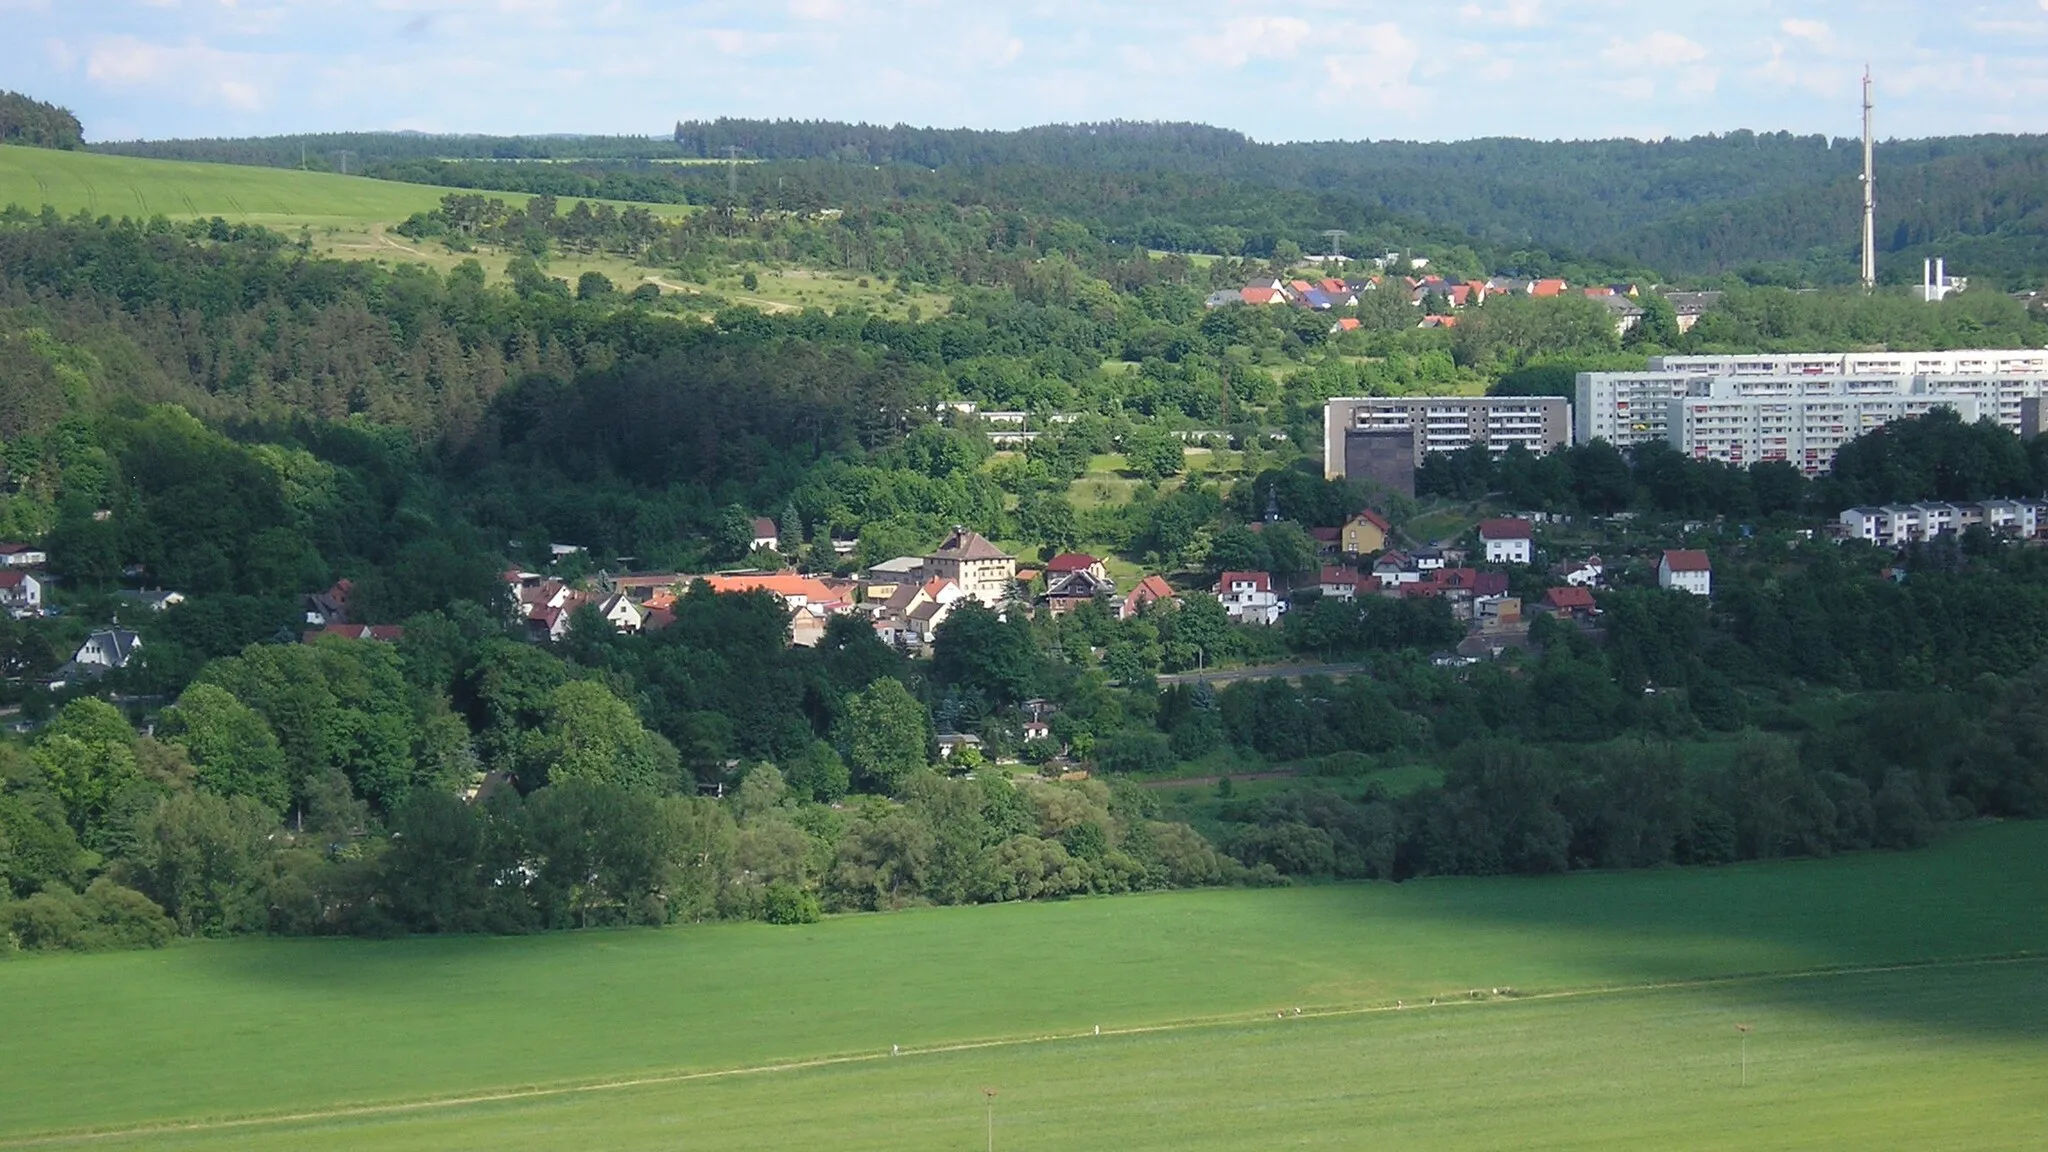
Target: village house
(1150, 590)
(910, 618)
(1067, 563)
(765, 535)
(1507, 541)
(14, 555)
(983, 571)
(1395, 568)
(108, 648)
(1248, 597)
(1075, 588)
(1365, 533)
(621, 612)
(810, 601)
(331, 606)
(21, 594)
(1686, 570)
(1571, 601)
(1585, 573)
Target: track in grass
(1443, 1002)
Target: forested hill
(1693, 207)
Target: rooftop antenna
(1869, 195)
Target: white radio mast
(1869, 195)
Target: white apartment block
(1447, 423)
(1793, 414)
(1735, 425)
(1967, 362)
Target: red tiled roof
(1687, 560)
(1506, 529)
(763, 526)
(1547, 288)
(1259, 580)
(1348, 324)
(787, 585)
(1569, 598)
(1326, 535)
(1375, 519)
(12, 579)
(388, 633)
(1337, 574)
(1070, 562)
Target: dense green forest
(36, 124)
(1772, 206)
(213, 408)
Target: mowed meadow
(1895, 1000)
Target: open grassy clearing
(1646, 1069)
(271, 1026)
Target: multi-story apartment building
(1442, 424)
(1800, 410)
(1737, 422)
(1966, 362)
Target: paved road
(1270, 672)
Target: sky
(1305, 69)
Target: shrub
(106, 916)
(789, 904)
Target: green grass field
(1879, 1021)
(274, 197)
(351, 217)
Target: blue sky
(1309, 69)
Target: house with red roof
(1151, 590)
(14, 555)
(1068, 563)
(765, 534)
(1571, 600)
(1686, 570)
(1547, 288)
(21, 594)
(1364, 533)
(1248, 597)
(1508, 541)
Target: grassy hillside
(1647, 1045)
(277, 198)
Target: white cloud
(1510, 14)
(1814, 32)
(1382, 73)
(1657, 50)
(1247, 38)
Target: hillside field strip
(1895, 1001)
(352, 217)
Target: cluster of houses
(1441, 297)
(1479, 597)
(1897, 525)
(904, 600)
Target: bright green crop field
(273, 197)
(1894, 1001)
